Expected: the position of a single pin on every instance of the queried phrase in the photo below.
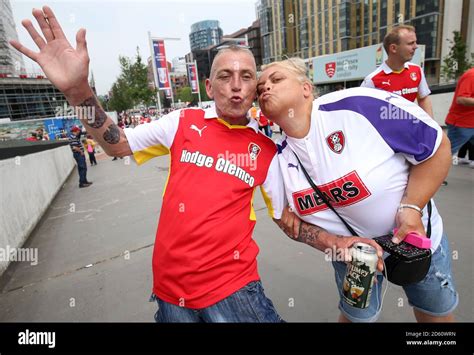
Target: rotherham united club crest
(331, 69)
(254, 151)
(336, 141)
(413, 76)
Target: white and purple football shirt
(358, 151)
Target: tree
(120, 100)
(131, 87)
(185, 95)
(104, 101)
(202, 90)
(456, 62)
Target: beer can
(360, 275)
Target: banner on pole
(161, 65)
(192, 78)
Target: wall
(28, 184)
(451, 22)
(441, 104)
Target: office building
(11, 61)
(204, 34)
(311, 28)
(25, 98)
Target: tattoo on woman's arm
(309, 234)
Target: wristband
(413, 207)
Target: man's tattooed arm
(95, 116)
(110, 137)
(312, 235)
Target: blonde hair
(393, 37)
(295, 65)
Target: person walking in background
(264, 124)
(42, 135)
(90, 146)
(466, 155)
(253, 112)
(460, 118)
(397, 74)
(33, 137)
(78, 154)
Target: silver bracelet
(413, 207)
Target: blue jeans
(81, 167)
(435, 295)
(247, 305)
(268, 131)
(459, 136)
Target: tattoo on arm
(308, 234)
(112, 134)
(93, 113)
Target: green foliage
(202, 89)
(104, 102)
(185, 95)
(131, 87)
(456, 62)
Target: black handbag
(399, 269)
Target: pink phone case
(416, 239)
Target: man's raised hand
(67, 68)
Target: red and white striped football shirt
(410, 82)
(204, 249)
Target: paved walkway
(95, 247)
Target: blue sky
(117, 27)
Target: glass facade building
(310, 28)
(11, 61)
(204, 34)
(29, 98)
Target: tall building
(254, 42)
(204, 34)
(11, 61)
(179, 65)
(29, 98)
(310, 28)
(247, 36)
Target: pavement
(95, 248)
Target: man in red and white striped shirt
(204, 259)
(397, 74)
